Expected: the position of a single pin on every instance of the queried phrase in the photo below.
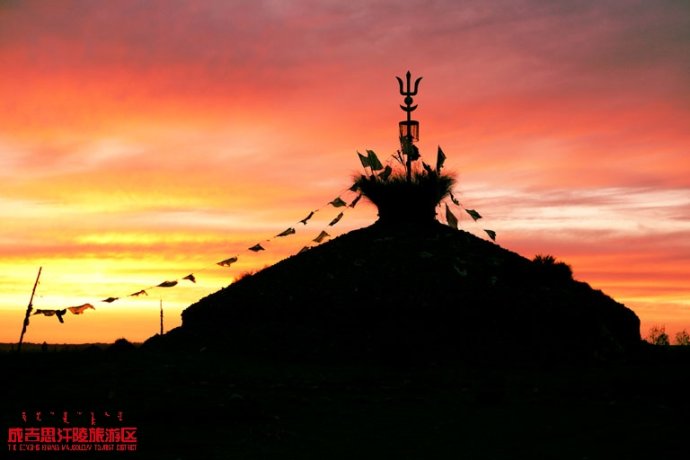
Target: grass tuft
(399, 200)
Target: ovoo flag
(374, 162)
(454, 200)
(58, 313)
(452, 220)
(440, 159)
(474, 214)
(336, 220)
(385, 173)
(167, 284)
(364, 160)
(356, 200)
(304, 221)
(81, 308)
(321, 236)
(228, 262)
(289, 231)
(338, 202)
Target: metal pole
(29, 308)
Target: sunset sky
(141, 141)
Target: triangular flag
(374, 162)
(491, 234)
(451, 219)
(227, 262)
(364, 160)
(427, 168)
(167, 284)
(440, 159)
(356, 200)
(289, 231)
(190, 277)
(338, 202)
(354, 187)
(304, 249)
(138, 293)
(336, 220)
(454, 200)
(474, 214)
(110, 299)
(257, 247)
(321, 236)
(81, 308)
(59, 313)
(304, 221)
(386, 173)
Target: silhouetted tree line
(657, 336)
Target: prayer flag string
(336, 203)
(370, 161)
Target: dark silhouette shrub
(551, 270)
(244, 275)
(683, 338)
(658, 336)
(121, 345)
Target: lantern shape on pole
(409, 129)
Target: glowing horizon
(142, 141)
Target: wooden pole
(161, 315)
(29, 308)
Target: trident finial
(409, 128)
(408, 92)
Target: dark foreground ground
(206, 406)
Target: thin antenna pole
(29, 308)
(161, 315)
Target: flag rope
(338, 202)
(371, 161)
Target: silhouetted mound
(428, 293)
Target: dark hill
(425, 292)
